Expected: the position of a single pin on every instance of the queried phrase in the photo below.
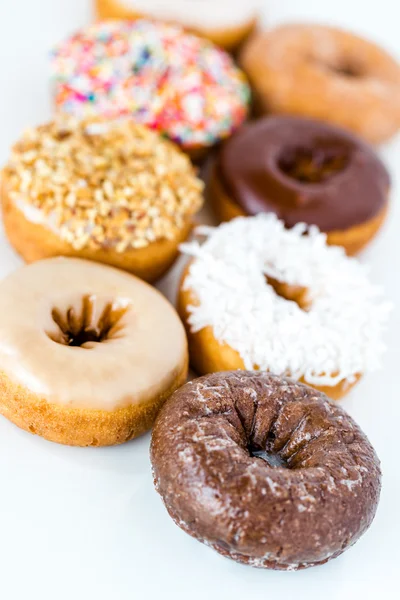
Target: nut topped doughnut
(304, 171)
(327, 74)
(110, 191)
(264, 470)
(225, 22)
(172, 81)
(88, 353)
(259, 296)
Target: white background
(87, 523)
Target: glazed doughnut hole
(314, 164)
(341, 66)
(95, 321)
(346, 69)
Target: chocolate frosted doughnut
(303, 171)
(264, 470)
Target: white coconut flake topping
(338, 337)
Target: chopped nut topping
(109, 184)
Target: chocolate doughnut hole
(314, 164)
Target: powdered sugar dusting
(338, 337)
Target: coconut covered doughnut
(88, 353)
(264, 470)
(177, 83)
(225, 22)
(304, 171)
(259, 296)
(327, 74)
(110, 191)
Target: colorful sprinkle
(175, 82)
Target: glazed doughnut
(303, 171)
(114, 192)
(225, 22)
(88, 353)
(172, 81)
(327, 74)
(264, 470)
(259, 296)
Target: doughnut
(227, 23)
(266, 471)
(109, 191)
(327, 74)
(88, 353)
(177, 83)
(303, 171)
(257, 296)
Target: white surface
(87, 523)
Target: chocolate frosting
(304, 171)
(266, 471)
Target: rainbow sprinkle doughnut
(177, 83)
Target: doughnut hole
(341, 66)
(271, 458)
(315, 164)
(294, 293)
(85, 326)
(346, 69)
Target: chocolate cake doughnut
(266, 471)
(303, 171)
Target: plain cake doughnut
(327, 74)
(264, 470)
(88, 353)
